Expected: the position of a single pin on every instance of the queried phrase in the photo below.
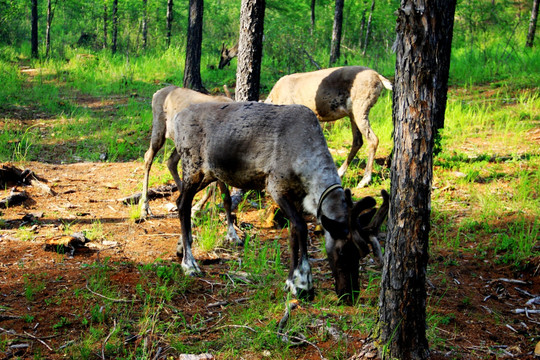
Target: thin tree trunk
(145, 24)
(50, 15)
(250, 44)
(362, 26)
(312, 16)
(192, 69)
(104, 24)
(532, 24)
(336, 32)
(114, 26)
(368, 27)
(443, 52)
(169, 21)
(402, 302)
(34, 37)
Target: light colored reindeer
(166, 103)
(281, 149)
(333, 94)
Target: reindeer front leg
(183, 248)
(300, 280)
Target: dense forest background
(489, 36)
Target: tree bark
(336, 32)
(532, 24)
(50, 15)
(170, 20)
(114, 26)
(145, 24)
(104, 24)
(417, 92)
(368, 28)
(250, 44)
(192, 69)
(34, 31)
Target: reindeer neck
(317, 187)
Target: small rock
(537, 349)
(171, 207)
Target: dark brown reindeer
(333, 94)
(227, 55)
(281, 149)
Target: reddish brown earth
(473, 293)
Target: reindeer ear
(363, 204)
(337, 229)
(365, 218)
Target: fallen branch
(510, 281)
(526, 311)
(225, 302)
(154, 193)
(108, 298)
(26, 336)
(107, 339)
(10, 174)
(15, 198)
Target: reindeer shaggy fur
(333, 94)
(165, 104)
(281, 149)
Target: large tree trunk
(336, 32)
(402, 302)
(248, 70)
(170, 20)
(50, 15)
(104, 24)
(532, 24)
(192, 69)
(114, 26)
(34, 37)
(145, 24)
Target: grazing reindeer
(165, 104)
(227, 55)
(335, 93)
(282, 149)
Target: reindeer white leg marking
(232, 236)
(302, 279)
(189, 264)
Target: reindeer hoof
(305, 293)
(191, 269)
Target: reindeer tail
(386, 83)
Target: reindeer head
(347, 243)
(227, 55)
